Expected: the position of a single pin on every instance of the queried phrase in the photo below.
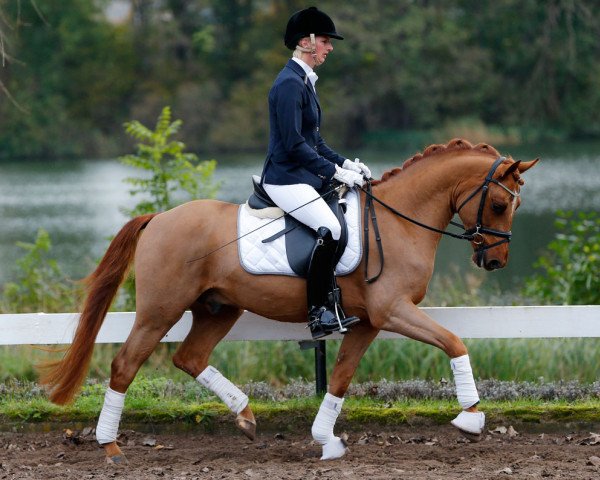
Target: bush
(570, 267)
(173, 175)
(40, 285)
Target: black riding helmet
(310, 20)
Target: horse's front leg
(407, 319)
(353, 347)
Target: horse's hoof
(114, 455)
(470, 422)
(334, 448)
(247, 426)
(117, 460)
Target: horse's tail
(64, 377)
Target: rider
(299, 164)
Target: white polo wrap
(466, 392)
(231, 395)
(110, 416)
(322, 429)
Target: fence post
(321, 367)
(320, 363)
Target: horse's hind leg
(147, 331)
(351, 350)
(208, 329)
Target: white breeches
(314, 214)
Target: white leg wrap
(231, 395)
(322, 428)
(466, 392)
(110, 416)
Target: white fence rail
(466, 322)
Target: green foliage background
(569, 272)
(506, 71)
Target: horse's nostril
(494, 265)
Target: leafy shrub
(40, 285)
(171, 171)
(570, 268)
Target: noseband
(478, 230)
(474, 234)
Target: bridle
(474, 234)
(479, 229)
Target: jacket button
(317, 129)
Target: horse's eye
(498, 207)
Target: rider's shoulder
(288, 84)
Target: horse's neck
(424, 192)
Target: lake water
(78, 202)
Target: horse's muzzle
(481, 260)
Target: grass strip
(294, 413)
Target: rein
(474, 234)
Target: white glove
(357, 166)
(348, 177)
(350, 165)
(363, 168)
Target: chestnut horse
(473, 181)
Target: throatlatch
(325, 314)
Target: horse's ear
(519, 166)
(524, 166)
(511, 168)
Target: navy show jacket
(297, 153)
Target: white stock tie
(313, 77)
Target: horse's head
(487, 207)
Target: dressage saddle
(300, 239)
(314, 255)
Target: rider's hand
(363, 168)
(350, 165)
(348, 177)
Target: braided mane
(431, 150)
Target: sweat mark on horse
(431, 187)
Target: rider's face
(323, 47)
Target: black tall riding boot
(325, 314)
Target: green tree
(72, 77)
(547, 55)
(570, 269)
(407, 71)
(170, 170)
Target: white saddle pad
(270, 258)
